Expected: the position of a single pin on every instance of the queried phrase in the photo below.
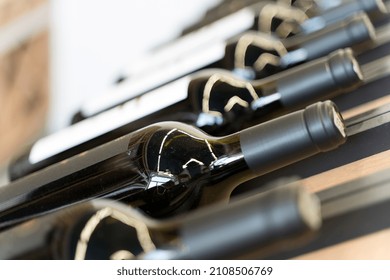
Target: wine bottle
(104, 229)
(257, 55)
(236, 54)
(169, 168)
(216, 102)
(375, 8)
(278, 20)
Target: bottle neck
(105, 229)
(347, 33)
(292, 137)
(230, 231)
(227, 104)
(258, 55)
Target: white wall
(93, 39)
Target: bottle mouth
(345, 68)
(325, 125)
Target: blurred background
(56, 54)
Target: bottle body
(155, 168)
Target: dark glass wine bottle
(375, 8)
(104, 229)
(169, 168)
(214, 101)
(257, 55)
(318, 14)
(228, 104)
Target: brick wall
(23, 78)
